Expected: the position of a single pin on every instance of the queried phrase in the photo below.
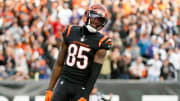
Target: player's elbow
(100, 56)
(99, 60)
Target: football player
(80, 58)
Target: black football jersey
(80, 52)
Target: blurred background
(145, 35)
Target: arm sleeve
(95, 70)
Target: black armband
(95, 70)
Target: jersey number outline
(74, 53)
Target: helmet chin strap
(91, 29)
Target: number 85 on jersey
(77, 52)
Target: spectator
(151, 49)
(57, 27)
(137, 69)
(124, 65)
(43, 70)
(143, 43)
(9, 62)
(16, 32)
(167, 71)
(21, 63)
(64, 14)
(115, 56)
(135, 51)
(174, 57)
(163, 52)
(154, 68)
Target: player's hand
(49, 95)
(82, 99)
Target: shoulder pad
(105, 43)
(67, 32)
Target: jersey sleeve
(66, 33)
(105, 43)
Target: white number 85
(74, 50)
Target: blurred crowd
(145, 34)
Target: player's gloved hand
(49, 94)
(82, 99)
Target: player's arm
(57, 70)
(95, 70)
(58, 66)
(104, 45)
